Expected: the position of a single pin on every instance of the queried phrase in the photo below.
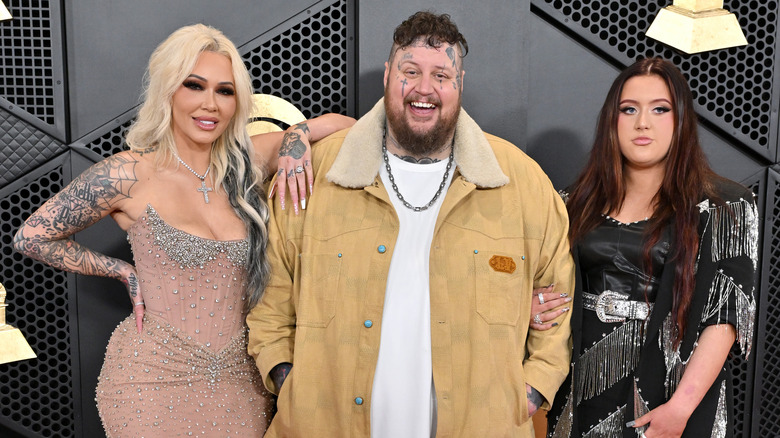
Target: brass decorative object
(13, 346)
(695, 26)
(4, 14)
(272, 107)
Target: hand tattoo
(534, 396)
(279, 374)
(292, 146)
(132, 284)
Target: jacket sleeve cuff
(268, 358)
(544, 380)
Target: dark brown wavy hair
(436, 29)
(688, 178)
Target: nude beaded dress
(188, 372)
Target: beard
(420, 144)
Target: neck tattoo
(203, 189)
(395, 187)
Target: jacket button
(368, 323)
(358, 400)
(381, 249)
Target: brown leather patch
(502, 264)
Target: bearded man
(399, 300)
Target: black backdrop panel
(32, 84)
(734, 87)
(767, 344)
(37, 395)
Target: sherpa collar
(360, 157)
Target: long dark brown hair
(688, 179)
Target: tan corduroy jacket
(501, 232)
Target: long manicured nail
(630, 423)
(565, 309)
(303, 203)
(564, 295)
(271, 192)
(551, 285)
(567, 300)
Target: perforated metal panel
(306, 64)
(31, 64)
(768, 324)
(733, 87)
(36, 395)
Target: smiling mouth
(422, 105)
(205, 124)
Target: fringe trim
(720, 426)
(611, 359)
(720, 291)
(735, 231)
(640, 408)
(563, 426)
(675, 365)
(611, 427)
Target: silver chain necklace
(395, 188)
(203, 189)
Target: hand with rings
(546, 306)
(295, 172)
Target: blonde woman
(189, 194)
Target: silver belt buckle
(606, 306)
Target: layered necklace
(203, 189)
(395, 187)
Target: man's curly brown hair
(434, 30)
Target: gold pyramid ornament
(13, 346)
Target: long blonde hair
(231, 154)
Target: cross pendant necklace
(203, 189)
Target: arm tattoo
(534, 397)
(82, 203)
(303, 127)
(279, 374)
(292, 146)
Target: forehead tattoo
(404, 58)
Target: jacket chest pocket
(319, 284)
(499, 286)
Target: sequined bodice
(194, 284)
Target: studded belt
(613, 306)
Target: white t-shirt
(403, 399)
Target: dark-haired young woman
(666, 252)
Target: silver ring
(538, 319)
(140, 303)
(299, 169)
(541, 298)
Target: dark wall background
(537, 72)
